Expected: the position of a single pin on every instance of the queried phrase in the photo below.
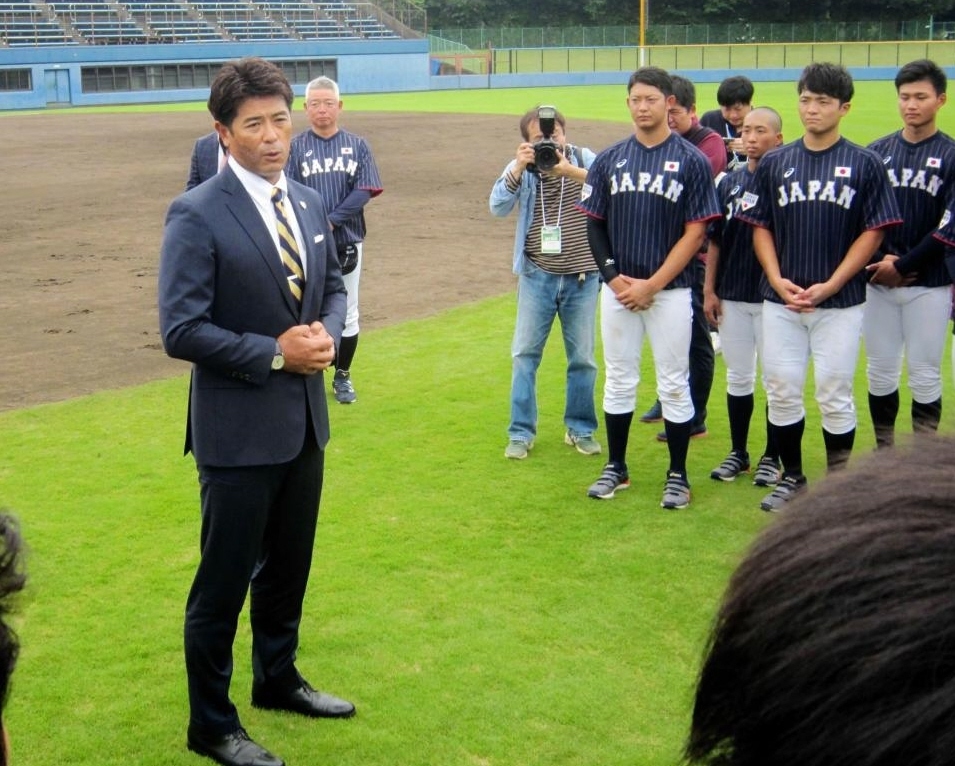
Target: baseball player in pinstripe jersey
(339, 165)
(648, 199)
(908, 298)
(946, 235)
(732, 299)
(820, 206)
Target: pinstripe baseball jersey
(946, 234)
(923, 181)
(738, 271)
(817, 204)
(335, 167)
(647, 196)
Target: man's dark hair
(654, 77)
(12, 581)
(240, 80)
(835, 641)
(827, 79)
(735, 90)
(684, 91)
(922, 69)
(531, 116)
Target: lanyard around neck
(560, 202)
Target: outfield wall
(536, 67)
(35, 78)
(549, 79)
(56, 76)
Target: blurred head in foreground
(12, 580)
(835, 641)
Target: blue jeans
(540, 297)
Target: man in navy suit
(208, 156)
(258, 418)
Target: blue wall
(370, 66)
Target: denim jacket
(502, 201)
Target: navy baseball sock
(346, 352)
(884, 410)
(838, 447)
(789, 441)
(740, 409)
(772, 448)
(925, 416)
(618, 433)
(678, 442)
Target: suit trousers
(257, 535)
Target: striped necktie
(288, 249)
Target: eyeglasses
(328, 104)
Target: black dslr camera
(546, 151)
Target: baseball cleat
(788, 488)
(342, 387)
(676, 492)
(767, 472)
(735, 464)
(653, 415)
(611, 480)
(696, 432)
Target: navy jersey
(817, 203)
(647, 196)
(335, 167)
(923, 181)
(945, 233)
(738, 271)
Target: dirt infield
(83, 214)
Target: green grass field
(480, 612)
(873, 111)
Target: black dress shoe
(233, 749)
(304, 700)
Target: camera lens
(546, 155)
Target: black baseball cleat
(654, 414)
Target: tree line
(564, 13)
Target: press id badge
(550, 240)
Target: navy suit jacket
(205, 160)
(223, 300)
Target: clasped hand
(308, 349)
(633, 294)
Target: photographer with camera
(556, 273)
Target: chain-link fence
(682, 34)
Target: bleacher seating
(98, 23)
(241, 20)
(371, 28)
(321, 29)
(172, 23)
(105, 22)
(24, 24)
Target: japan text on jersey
(838, 189)
(923, 179)
(662, 182)
(312, 164)
(922, 176)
